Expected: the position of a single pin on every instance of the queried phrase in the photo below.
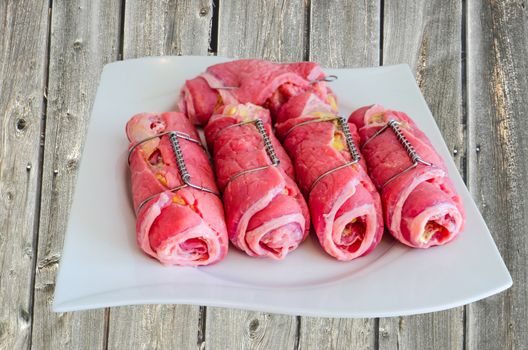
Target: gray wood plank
(167, 27)
(345, 33)
(84, 36)
(161, 28)
(336, 333)
(497, 159)
(153, 327)
(277, 33)
(349, 39)
(275, 30)
(239, 329)
(439, 330)
(23, 61)
(427, 36)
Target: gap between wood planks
(463, 159)
(213, 31)
(106, 323)
(40, 172)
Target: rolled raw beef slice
(250, 81)
(344, 205)
(266, 214)
(182, 227)
(421, 206)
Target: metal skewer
(354, 153)
(174, 137)
(224, 87)
(416, 160)
(328, 79)
(268, 146)
(181, 135)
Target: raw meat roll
(259, 82)
(421, 206)
(183, 227)
(266, 214)
(344, 205)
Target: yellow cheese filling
(338, 143)
(162, 179)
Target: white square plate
(102, 266)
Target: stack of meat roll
(330, 169)
(176, 223)
(344, 204)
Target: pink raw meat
(266, 214)
(344, 205)
(185, 227)
(421, 206)
(249, 81)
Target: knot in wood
(9, 196)
(77, 44)
(253, 325)
(21, 124)
(71, 164)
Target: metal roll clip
(348, 138)
(411, 152)
(270, 151)
(174, 137)
(328, 79)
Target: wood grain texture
(153, 327)
(335, 333)
(439, 330)
(167, 27)
(427, 36)
(239, 329)
(275, 29)
(350, 39)
(23, 60)
(161, 28)
(498, 166)
(84, 36)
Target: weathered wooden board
(439, 330)
(277, 33)
(427, 36)
(239, 329)
(349, 39)
(497, 157)
(84, 36)
(153, 327)
(337, 333)
(167, 27)
(345, 34)
(161, 28)
(275, 30)
(23, 63)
